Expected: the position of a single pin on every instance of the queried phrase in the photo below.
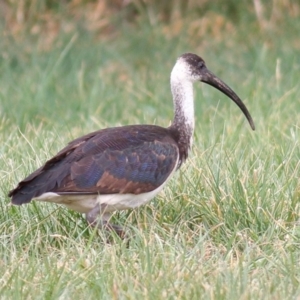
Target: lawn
(225, 227)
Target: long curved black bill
(217, 83)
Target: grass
(226, 227)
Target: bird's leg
(93, 216)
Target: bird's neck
(183, 122)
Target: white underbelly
(85, 203)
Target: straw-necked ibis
(123, 167)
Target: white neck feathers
(183, 97)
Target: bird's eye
(200, 64)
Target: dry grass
(49, 19)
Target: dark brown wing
(129, 159)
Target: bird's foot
(119, 230)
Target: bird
(124, 167)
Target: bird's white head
(188, 68)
